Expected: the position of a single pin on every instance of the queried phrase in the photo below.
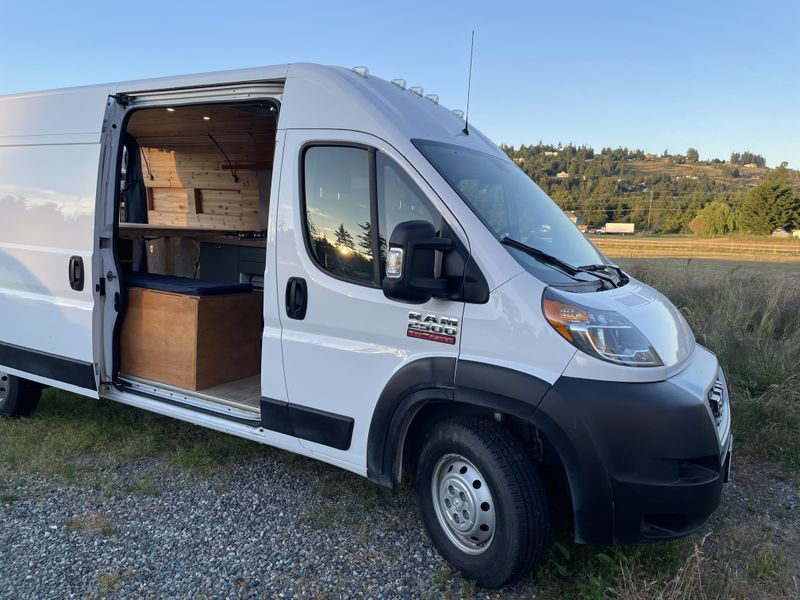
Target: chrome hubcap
(3, 386)
(463, 503)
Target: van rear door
(50, 149)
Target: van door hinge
(116, 301)
(101, 287)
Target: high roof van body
(317, 259)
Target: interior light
(417, 90)
(206, 118)
(401, 83)
(170, 109)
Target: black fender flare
(443, 379)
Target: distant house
(519, 160)
(649, 156)
(562, 175)
(574, 217)
(796, 234)
(751, 165)
(550, 153)
(780, 232)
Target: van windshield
(509, 203)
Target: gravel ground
(266, 528)
(273, 526)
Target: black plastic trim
(643, 460)
(307, 423)
(442, 379)
(74, 372)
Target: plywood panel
(191, 342)
(228, 338)
(158, 338)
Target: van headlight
(604, 334)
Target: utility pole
(650, 210)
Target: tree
(770, 205)
(715, 218)
(692, 155)
(365, 240)
(344, 239)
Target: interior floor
(243, 392)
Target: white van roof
(315, 96)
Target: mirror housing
(411, 263)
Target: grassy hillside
(660, 194)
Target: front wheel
(18, 397)
(482, 501)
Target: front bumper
(644, 461)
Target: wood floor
(246, 392)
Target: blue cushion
(184, 285)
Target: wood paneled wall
(190, 183)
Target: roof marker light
(459, 113)
(433, 98)
(363, 71)
(401, 83)
(206, 118)
(417, 90)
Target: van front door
(340, 198)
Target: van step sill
(191, 399)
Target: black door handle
(76, 273)
(296, 298)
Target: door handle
(296, 298)
(76, 273)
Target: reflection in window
(399, 200)
(338, 220)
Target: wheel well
(542, 453)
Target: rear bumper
(644, 461)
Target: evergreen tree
(770, 205)
(344, 239)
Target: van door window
(338, 211)
(399, 200)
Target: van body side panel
(47, 216)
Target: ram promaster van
(334, 264)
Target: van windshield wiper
(604, 268)
(557, 262)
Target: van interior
(191, 247)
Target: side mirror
(411, 263)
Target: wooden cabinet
(192, 342)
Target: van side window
(399, 200)
(338, 211)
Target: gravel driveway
(273, 526)
(269, 527)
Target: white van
(320, 260)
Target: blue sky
(720, 76)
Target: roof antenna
(469, 83)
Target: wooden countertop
(132, 231)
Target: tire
(475, 464)
(18, 397)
